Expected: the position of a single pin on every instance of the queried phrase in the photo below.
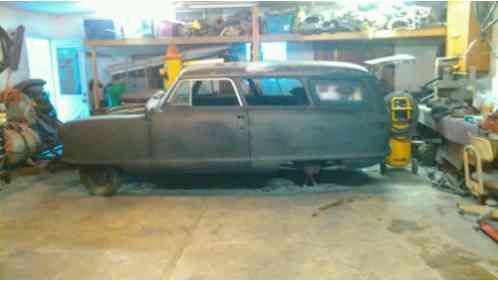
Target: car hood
(127, 109)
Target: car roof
(296, 68)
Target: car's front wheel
(100, 181)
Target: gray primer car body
(184, 139)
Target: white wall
(412, 76)
(300, 51)
(37, 25)
(494, 59)
(407, 77)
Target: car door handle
(381, 124)
(242, 124)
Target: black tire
(100, 181)
(383, 168)
(482, 199)
(426, 154)
(414, 166)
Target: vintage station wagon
(237, 117)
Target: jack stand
(5, 177)
(309, 175)
(486, 214)
(480, 210)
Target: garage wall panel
(494, 58)
(413, 76)
(38, 25)
(300, 51)
(356, 52)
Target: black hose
(5, 46)
(426, 85)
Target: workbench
(454, 129)
(455, 132)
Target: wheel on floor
(100, 181)
(414, 166)
(383, 168)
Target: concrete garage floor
(353, 225)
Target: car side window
(181, 96)
(214, 93)
(279, 91)
(338, 92)
(200, 92)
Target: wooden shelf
(169, 40)
(381, 34)
(341, 36)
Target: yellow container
(173, 69)
(3, 118)
(172, 66)
(462, 30)
(401, 152)
(401, 112)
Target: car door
(280, 117)
(286, 127)
(351, 118)
(201, 127)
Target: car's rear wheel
(100, 181)
(383, 168)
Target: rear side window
(274, 91)
(338, 92)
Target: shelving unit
(169, 40)
(255, 38)
(341, 36)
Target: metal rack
(256, 38)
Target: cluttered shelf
(362, 35)
(380, 34)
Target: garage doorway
(71, 85)
(40, 63)
(61, 64)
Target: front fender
(106, 140)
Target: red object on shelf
(489, 230)
(490, 123)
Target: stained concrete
(353, 225)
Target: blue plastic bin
(278, 24)
(99, 29)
